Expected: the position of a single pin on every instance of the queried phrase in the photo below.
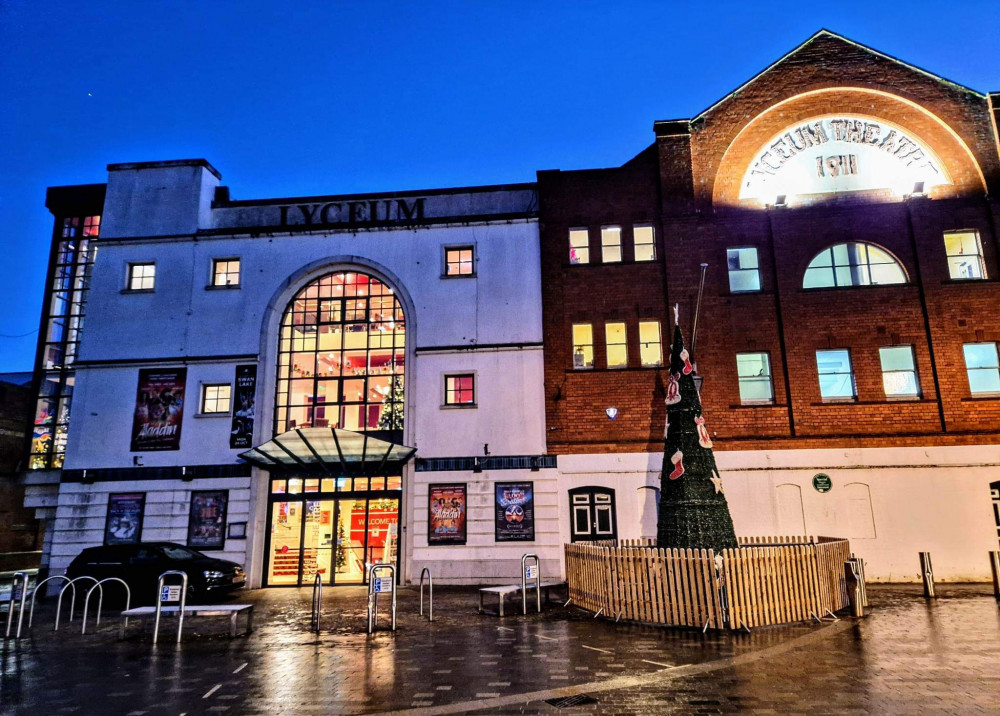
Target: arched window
(853, 264)
(341, 356)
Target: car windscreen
(178, 553)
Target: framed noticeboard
(446, 512)
(207, 523)
(124, 521)
(515, 512)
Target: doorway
(592, 514)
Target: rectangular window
(614, 337)
(583, 346)
(216, 398)
(836, 376)
(611, 244)
(983, 368)
(141, 277)
(458, 261)
(899, 372)
(650, 350)
(754, 371)
(744, 270)
(965, 255)
(645, 247)
(460, 389)
(226, 272)
(579, 246)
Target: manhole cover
(568, 701)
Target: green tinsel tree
(392, 407)
(693, 510)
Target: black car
(140, 566)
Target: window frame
(608, 344)
(659, 343)
(447, 402)
(129, 276)
(851, 267)
(574, 344)
(651, 244)
(853, 398)
(968, 369)
(585, 247)
(203, 398)
(449, 248)
(916, 375)
(756, 269)
(770, 378)
(984, 275)
(610, 229)
(213, 277)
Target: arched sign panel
(841, 153)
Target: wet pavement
(909, 656)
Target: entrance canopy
(329, 452)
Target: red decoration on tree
(703, 439)
(686, 357)
(678, 460)
(673, 389)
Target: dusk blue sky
(297, 98)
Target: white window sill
(213, 415)
(459, 406)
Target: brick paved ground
(909, 657)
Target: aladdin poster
(207, 524)
(515, 516)
(446, 514)
(241, 435)
(159, 409)
(124, 521)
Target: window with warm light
(650, 349)
(982, 367)
(836, 375)
(744, 269)
(899, 372)
(644, 243)
(216, 398)
(579, 246)
(141, 277)
(754, 373)
(965, 255)
(460, 389)
(226, 272)
(853, 264)
(616, 345)
(611, 244)
(583, 346)
(458, 261)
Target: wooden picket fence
(767, 580)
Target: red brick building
(844, 203)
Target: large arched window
(341, 356)
(853, 264)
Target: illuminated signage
(840, 154)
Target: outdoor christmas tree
(693, 509)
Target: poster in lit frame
(207, 521)
(447, 507)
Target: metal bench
(502, 592)
(204, 610)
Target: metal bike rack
(927, 574)
(72, 601)
(317, 603)
(524, 582)
(430, 582)
(373, 594)
(22, 578)
(34, 593)
(100, 601)
(159, 602)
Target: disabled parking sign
(531, 571)
(380, 585)
(170, 593)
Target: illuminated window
(583, 346)
(650, 350)
(744, 270)
(141, 277)
(226, 272)
(645, 246)
(579, 246)
(852, 264)
(899, 372)
(983, 367)
(216, 398)
(611, 244)
(460, 389)
(836, 376)
(754, 372)
(965, 255)
(458, 261)
(614, 339)
(341, 356)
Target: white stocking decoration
(703, 439)
(678, 460)
(686, 357)
(673, 389)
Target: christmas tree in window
(391, 417)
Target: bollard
(854, 595)
(995, 566)
(927, 573)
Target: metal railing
(317, 603)
(15, 596)
(72, 601)
(379, 585)
(100, 602)
(31, 612)
(159, 602)
(927, 574)
(430, 583)
(526, 575)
